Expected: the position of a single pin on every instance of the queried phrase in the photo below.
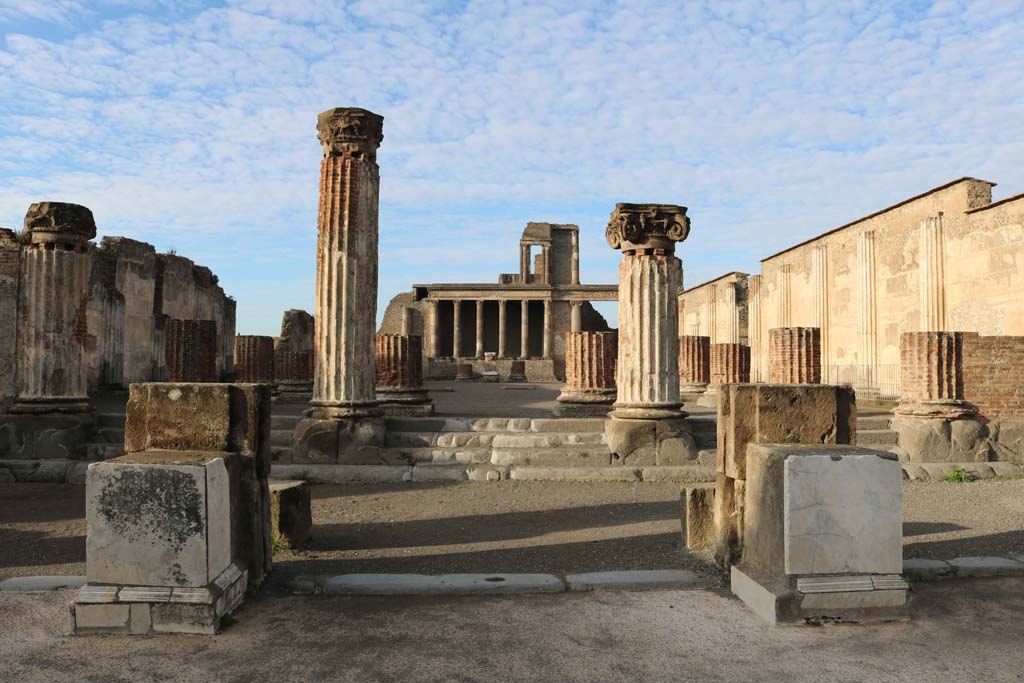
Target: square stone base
(145, 610)
(651, 442)
(339, 441)
(857, 599)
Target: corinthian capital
(647, 226)
(60, 223)
(349, 130)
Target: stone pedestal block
(254, 359)
(464, 372)
(651, 442)
(517, 372)
(589, 388)
(771, 413)
(291, 518)
(339, 441)
(190, 350)
(400, 387)
(694, 364)
(697, 519)
(822, 534)
(794, 355)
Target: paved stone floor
(964, 630)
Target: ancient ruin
(293, 356)
(525, 316)
(344, 421)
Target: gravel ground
(509, 526)
(965, 630)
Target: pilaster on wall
(758, 369)
(931, 266)
(820, 284)
(785, 294)
(712, 306)
(867, 312)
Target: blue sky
(191, 125)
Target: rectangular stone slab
(843, 514)
(163, 523)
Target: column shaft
(524, 330)
(575, 257)
(547, 329)
(479, 328)
(501, 329)
(457, 328)
(576, 324)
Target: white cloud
(772, 121)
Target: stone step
(436, 456)
(280, 437)
(95, 452)
(493, 439)
(281, 454)
(284, 421)
(877, 437)
(114, 435)
(428, 424)
(873, 422)
(569, 456)
(110, 420)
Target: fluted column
(866, 310)
(190, 350)
(730, 364)
(524, 330)
(457, 328)
(547, 330)
(795, 355)
(576, 321)
(758, 373)
(112, 340)
(545, 250)
(694, 364)
(254, 359)
(576, 256)
(931, 264)
(479, 353)
(346, 296)
(820, 283)
(932, 375)
(732, 319)
(590, 360)
(502, 332)
(52, 329)
(650, 277)
(399, 372)
(435, 330)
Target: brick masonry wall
(993, 375)
(254, 359)
(931, 366)
(730, 363)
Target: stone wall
(10, 257)
(993, 375)
(717, 309)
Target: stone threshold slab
(368, 474)
(36, 584)
(974, 567)
(495, 584)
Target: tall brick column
(345, 421)
(650, 277)
(694, 364)
(730, 364)
(590, 359)
(400, 387)
(190, 350)
(52, 332)
(254, 359)
(794, 355)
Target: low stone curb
(345, 474)
(33, 584)
(964, 567)
(494, 584)
(938, 471)
(43, 471)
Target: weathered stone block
(231, 418)
(291, 515)
(698, 517)
(158, 519)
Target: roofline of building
(879, 213)
(512, 286)
(993, 205)
(716, 279)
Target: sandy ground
(964, 630)
(509, 526)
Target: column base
(666, 441)
(405, 401)
(950, 410)
(40, 406)
(648, 411)
(334, 411)
(339, 441)
(584, 403)
(288, 390)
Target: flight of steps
(500, 445)
(109, 440)
(873, 431)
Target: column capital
(647, 226)
(59, 223)
(350, 131)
